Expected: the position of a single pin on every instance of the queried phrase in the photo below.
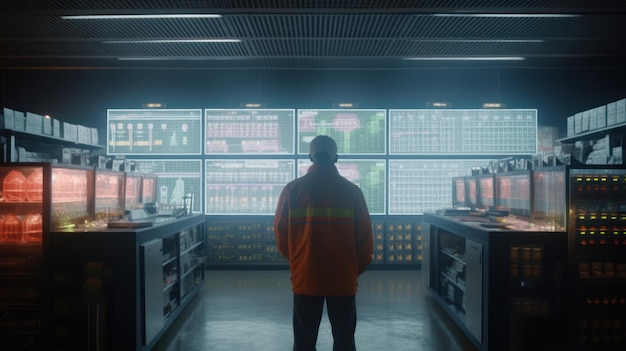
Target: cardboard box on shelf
(593, 119)
(19, 121)
(8, 119)
(47, 125)
(620, 111)
(610, 113)
(56, 128)
(584, 127)
(570, 126)
(34, 123)
(578, 122)
(601, 116)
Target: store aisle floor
(251, 310)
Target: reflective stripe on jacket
(323, 228)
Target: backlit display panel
(418, 186)
(154, 132)
(249, 131)
(368, 174)
(357, 131)
(247, 187)
(475, 131)
(176, 181)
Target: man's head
(323, 150)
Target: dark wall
(82, 96)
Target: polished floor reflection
(251, 310)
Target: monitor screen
(148, 189)
(176, 179)
(368, 174)
(463, 131)
(249, 131)
(357, 131)
(458, 192)
(419, 186)
(132, 189)
(154, 132)
(246, 187)
(486, 192)
(513, 192)
(471, 188)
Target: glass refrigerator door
(108, 199)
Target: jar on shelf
(13, 186)
(10, 229)
(34, 186)
(32, 228)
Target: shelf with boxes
(595, 136)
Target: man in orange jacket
(323, 228)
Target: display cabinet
(133, 183)
(501, 283)
(597, 249)
(120, 289)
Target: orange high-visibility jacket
(323, 228)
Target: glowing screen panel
(357, 131)
(249, 131)
(247, 187)
(154, 132)
(176, 179)
(368, 174)
(418, 186)
(475, 132)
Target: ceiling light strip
(469, 58)
(98, 17)
(159, 41)
(507, 15)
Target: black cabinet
(120, 289)
(503, 287)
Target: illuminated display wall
(402, 159)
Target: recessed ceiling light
(192, 15)
(179, 58)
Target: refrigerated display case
(149, 189)
(597, 250)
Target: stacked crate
(399, 243)
(417, 243)
(221, 243)
(271, 254)
(379, 242)
(250, 242)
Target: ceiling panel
(314, 34)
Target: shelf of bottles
(598, 249)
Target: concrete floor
(251, 310)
